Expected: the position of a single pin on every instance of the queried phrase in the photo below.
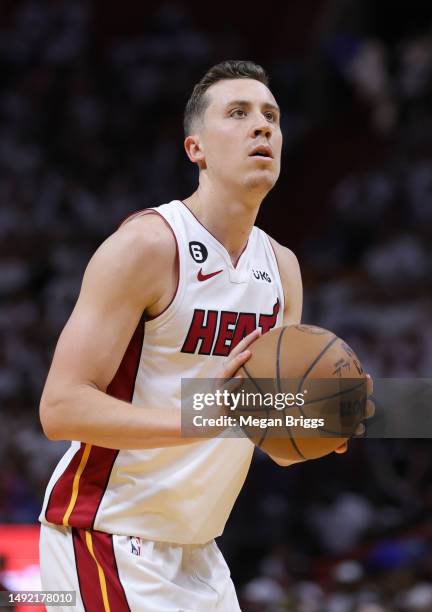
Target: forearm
(90, 415)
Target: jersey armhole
(138, 213)
(152, 211)
(177, 263)
(272, 250)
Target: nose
(262, 127)
(264, 131)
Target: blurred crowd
(90, 131)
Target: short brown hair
(229, 69)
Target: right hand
(370, 411)
(237, 357)
(227, 378)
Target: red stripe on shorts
(97, 471)
(92, 585)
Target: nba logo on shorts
(135, 546)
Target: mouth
(262, 152)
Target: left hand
(370, 411)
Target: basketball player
(132, 509)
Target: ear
(194, 150)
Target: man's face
(240, 135)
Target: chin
(262, 182)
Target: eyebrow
(270, 105)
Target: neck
(229, 218)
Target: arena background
(91, 101)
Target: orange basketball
(324, 382)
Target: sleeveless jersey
(179, 494)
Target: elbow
(49, 418)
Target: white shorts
(115, 573)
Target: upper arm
(290, 275)
(123, 279)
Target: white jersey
(180, 494)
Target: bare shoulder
(140, 254)
(147, 234)
(290, 275)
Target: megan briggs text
(261, 422)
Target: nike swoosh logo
(203, 277)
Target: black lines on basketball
(262, 438)
(320, 404)
(334, 395)
(279, 389)
(316, 360)
(252, 379)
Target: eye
(270, 116)
(238, 113)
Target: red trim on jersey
(61, 492)
(149, 318)
(89, 573)
(278, 267)
(147, 211)
(92, 486)
(97, 471)
(122, 385)
(213, 236)
(244, 249)
(138, 213)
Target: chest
(223, 303)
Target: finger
(232, 384)
(247, 340)
(342, 449)
(360, 430)
(370, 409)
(231, 366)
(369, 385)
